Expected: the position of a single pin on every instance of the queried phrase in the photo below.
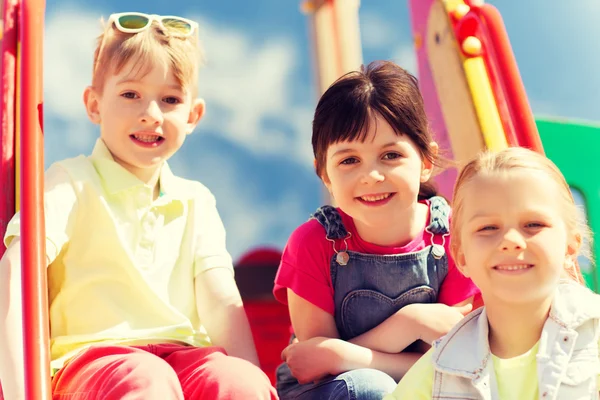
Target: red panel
(271, 330)
(523, 121)
(7, 117)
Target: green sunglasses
(134, 22)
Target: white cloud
(68, 51)
(67, 71)
(248, 229)
(246, 83)
(376, 31)
(250, 221)
(379, 33)
(544, 107)
(406, 57)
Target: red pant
(159, 372)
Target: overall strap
(330, 218)
(439, 216)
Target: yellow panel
(485, 104)
(452, 4)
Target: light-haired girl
(369, 278)
(517, 233)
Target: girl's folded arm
(308, 320)
(311, 322)
(394, 334)
(356, 357)
(411, 323)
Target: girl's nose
(374, 175)
(512, 240)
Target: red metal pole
(516, 96)
(7, 115)
(33, 243)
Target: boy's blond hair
(147, 48)
(515, 158)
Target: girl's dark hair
(346, 109)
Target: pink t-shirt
(305, 264)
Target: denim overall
(368, 289)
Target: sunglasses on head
(134, 22)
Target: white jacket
(567, 361)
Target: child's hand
(312, 359)
(437, 319)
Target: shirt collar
(116, 179)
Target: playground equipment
(475, 99)
(470, 81)
(22, 87)
(473, 94)
(573, 145)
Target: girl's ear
(327, 183)
(461, 263)
(323, 177)
(573, 248)
(427, 166)
(574, 245)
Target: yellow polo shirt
(121, 265)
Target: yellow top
(122, 265)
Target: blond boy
(143, 303)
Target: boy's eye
(348, 161)
(129, 95)
(171, 100)
(391, 156)
(487, 228)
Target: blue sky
(253, 147)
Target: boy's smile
(147, 139)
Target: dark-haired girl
(369, 283)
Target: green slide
(574, 146)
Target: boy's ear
(196, 114)
(91, 100)
(427, 167)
